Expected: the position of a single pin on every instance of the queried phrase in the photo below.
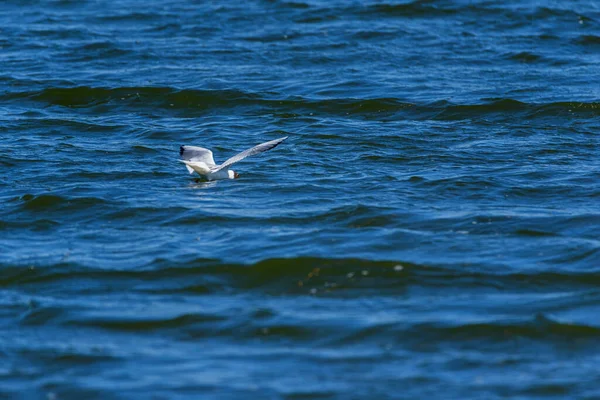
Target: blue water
(430, 228)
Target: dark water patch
(373, 221)
(271, 38)
(386, 158)
(73, 358)
(525, 57)
(79, 97)
(415, 8)
(49, 202)
(173, 99)
(318, 16)
(501, 106)
(131, 16)
(538, 329)
(471, 11)
(181, 288)
(8, 162)
(299, 276)
(550, 389)
(541, 327)
(589, 40)
(376, 35)
(548, 36)
(533, 232)
(67, 357)
(375, 105)
(144, 149)
(96, 50)
(40, 315)
(35, 225)
(516, 108)
(141, 324)
(186, 218)
(444, 111)
(291, 332)
(298, 5)
(196, 326)
(97, 46)
(145, 213)
(171, 28)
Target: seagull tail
(190, 169)
(196, 166)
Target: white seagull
(200, 160)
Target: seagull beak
(236, 175)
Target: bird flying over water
(200, 160)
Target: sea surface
(429, 230)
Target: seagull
(200, 160)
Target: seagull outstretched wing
(247, 153)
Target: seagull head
(233, 174)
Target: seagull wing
(197, 154)
(261, 148)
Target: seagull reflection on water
(202, 184)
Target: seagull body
(200, 160)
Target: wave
(197, 99)
(85, 96)
(417, 8)
(589, 40)
(525, 57)
(511, 107)
(35, 225)
(539, 327)
(47, 202)
(297, 275)
(196, 324)
(345, 214)
(436, 9)
(304, 275)
(132, 16)
(144, 324)
(321, 279)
